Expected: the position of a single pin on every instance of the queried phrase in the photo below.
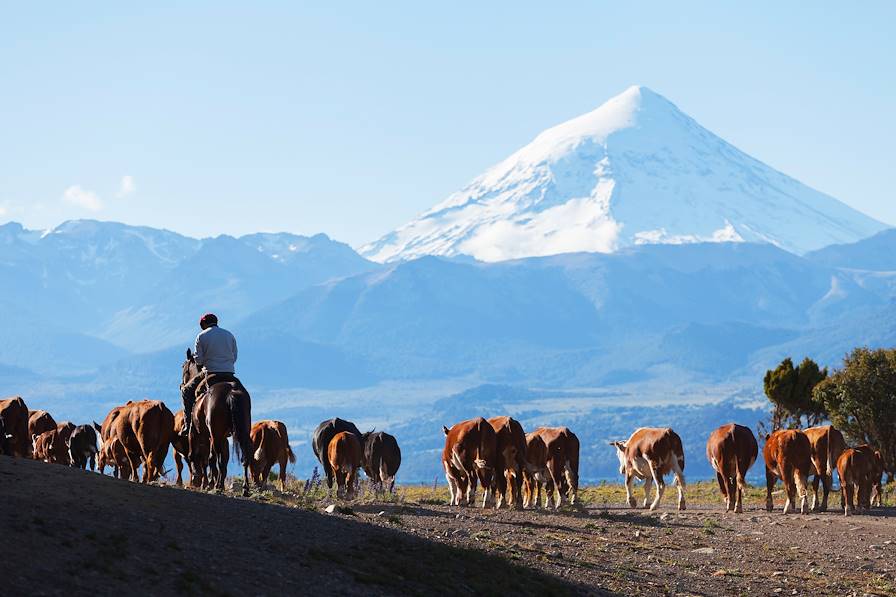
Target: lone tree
(861, 400)
(789, 389)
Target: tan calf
(650, 454)
(344, 456)
(270, 446)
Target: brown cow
(788, 456)
(510, 459)
(39, 421)
(731, 450)
(42, 446)
(14, 413)
(827, 444)
(344, 456)
(114, 435)
(114, 454)
(181, 447)
(649, 454)
(857, 467)
(50, 446)
(270, 445)
(144, 428)
(470, 455)
(562, 446)
(536, 473)
(65, 429)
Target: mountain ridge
(636, 170)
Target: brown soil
(65, 531)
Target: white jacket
(216, 350)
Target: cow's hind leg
(453, 490)
(800, 484)
(629, 482)
(572, 479)
(680, 484)
(723, 487)
(648, 485)
(660, 484)
(770, 479)
(827, 481)
(816, 479)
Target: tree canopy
(789, 389)
(860, 399)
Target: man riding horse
(215, 353)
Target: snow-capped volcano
(635, 170)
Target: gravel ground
(66, 531)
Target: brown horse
(199, 448)
(228, 410)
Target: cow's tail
(241, 417)
(290, 454)
(259, 452)
(829, 470)
(479, 462)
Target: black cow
(381, 459)
(5, 447)
(82, 448)
(321, 440)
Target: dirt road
(65, 531)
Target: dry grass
(312, 494)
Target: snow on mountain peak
(635, 170)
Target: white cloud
(3, 211)
(128, 186)
(82, 198)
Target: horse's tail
(241, 417)
(289, 454)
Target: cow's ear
(444, 430)
(97, 426)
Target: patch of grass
(709, 526)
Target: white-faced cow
(82, 446)
(649, 454)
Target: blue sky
(351, 118)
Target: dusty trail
(71, 532)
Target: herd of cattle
(495, 453)
(139, 434)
